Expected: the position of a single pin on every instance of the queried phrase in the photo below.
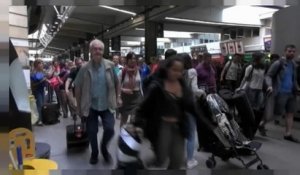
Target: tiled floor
(275, 152)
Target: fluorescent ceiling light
(139, 29)
(55, 22)
(119, 10)
(209, 22)
(133, 43)
(56, 10)
(165, 40)
(175, 34)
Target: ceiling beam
(83, 28)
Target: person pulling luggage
(97, 90)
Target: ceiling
(86, 21)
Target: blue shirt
(145, 71)
(99, 89)
(287, 80)
(36, 79)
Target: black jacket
(149, 112)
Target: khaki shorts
(285, 103)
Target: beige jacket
(83, 87)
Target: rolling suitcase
(77, 136)
(50, 113)
(245, 114)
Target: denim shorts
(285, 103)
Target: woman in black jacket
(163, 113)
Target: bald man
(97, 92)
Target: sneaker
(276, 122)
(39, 123)
(107, 158)
(262, 130)
(93, 160)
(192, 164)
(291, 138)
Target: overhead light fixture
(132, 18)
(47, 24)
(53, 27)
(119, 10)
(55, 22)
(107, 30)
(140, 29)
(209, 22)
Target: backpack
(226, 70)
(265, 86)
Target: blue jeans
(256, 98)
(191, 138)
(108, 122)
(39, 99)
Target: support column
(86, 51)
(285, 30)
(116, 43)
(150, 40)
(106, 48)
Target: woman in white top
(131, 87)
(253, 81)
(190, 75)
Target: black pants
(232, 84)
(108, 122)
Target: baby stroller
(219, 134)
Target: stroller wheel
(211, 163)
(225, 159)
(262, 167)
(265, 167)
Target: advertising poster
(239, 47)
(224, 49)
(267, 43)
(231, 48)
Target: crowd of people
(161, 97)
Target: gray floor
(277, 153)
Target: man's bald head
(97, 50)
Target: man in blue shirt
(282, 82)
(97, 92)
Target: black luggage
(245, 114)
(50, 113)
(227, 95)
(77, 136)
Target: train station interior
(223, 29)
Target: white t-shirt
(257, 79)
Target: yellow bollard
(35, 167)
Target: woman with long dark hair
(163, 113)
(253, 81)
(131, 87)
(190, 77)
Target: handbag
(54, 82)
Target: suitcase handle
(82, 123)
